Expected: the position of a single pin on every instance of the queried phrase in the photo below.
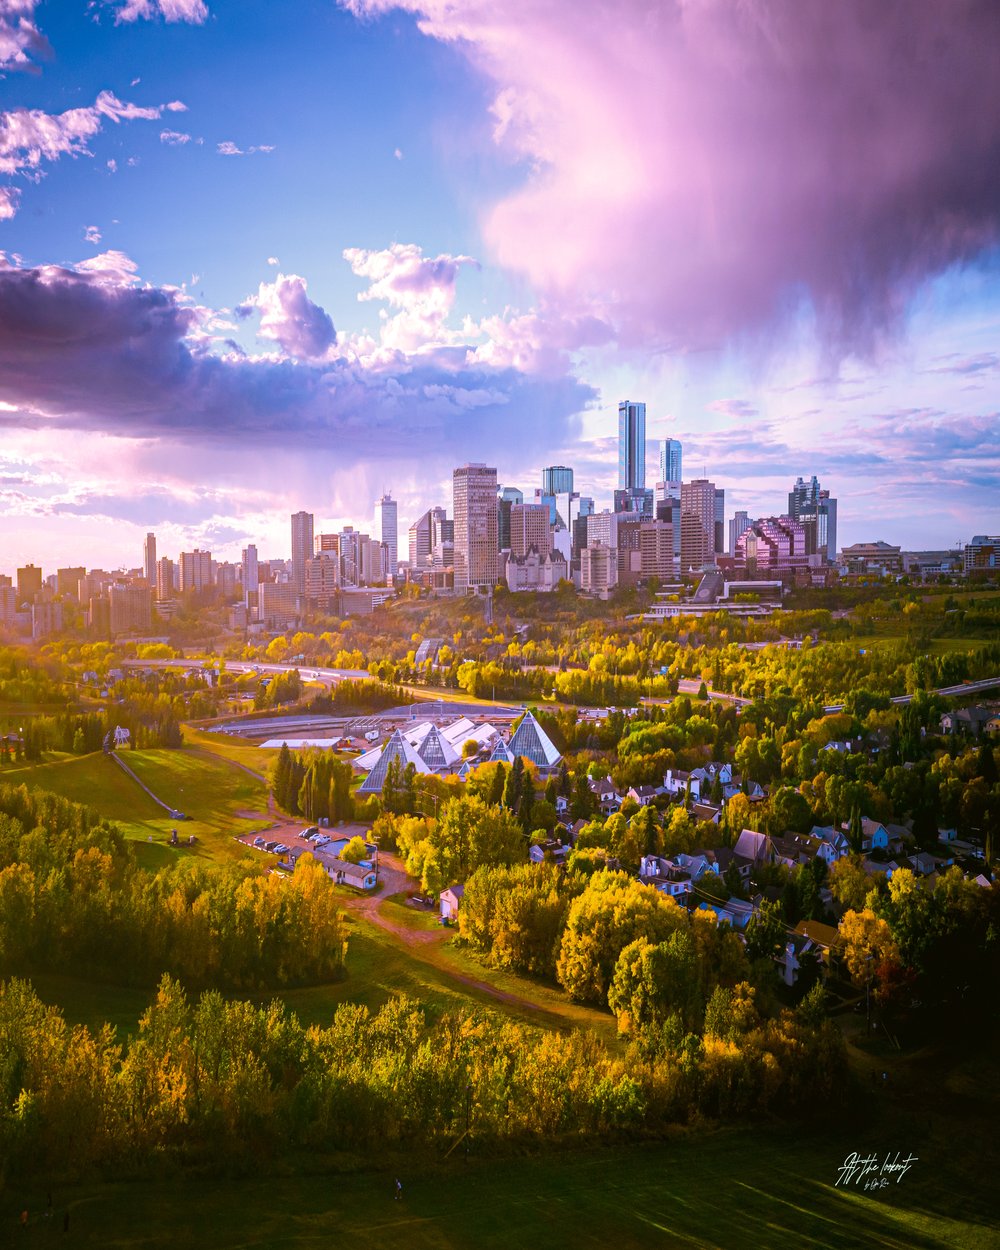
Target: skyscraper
(385, 524)
(737, 526)
(557, 480)
(631, 445)
(302, 548)
(475, 509)
(149, 559)
(196, 571)
(818, 513)
(530, 527)
(250, 578)
(506, 499)
(670, 460)
(698, 516)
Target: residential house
(550, 851)
(834, 843)
(735, 912)
(966, 720)
(606, 793)
(757, 847)
(706, 812)
(677, 781)
(450, 902)
(643, 795)
(810, 941)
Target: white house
(450, 902)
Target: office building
(323, 581)
(224, 575)
(720, 521)
(130, 608)
(421, 536)
(68, 581)
(598, 570)
(772, 547)
(635, 499)
(817, 511)
(738, 525)
(557, 479)
(442, 530)
(631, 445)
(876, 557)
(698, 517)
(29, 583)
(474, 489)
(602, 527)
(248, 571)
(656, 551)
(195, 571)
(386, 532)
(507, 497)
(166, 579)
(302, 548)
(670, 460)
(278, 604)
(983, 552)
(149, 559)
(529, 527)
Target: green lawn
(735, 1190)
(210, 790)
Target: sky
(259, 257)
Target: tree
(355, 851)
(765, 932)
(612, 912)
(849, 883)
(867, 942)
(652, 982)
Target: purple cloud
(20, 38)
(94, 350)
(735, 408)
(290, 318)
(193, 11)
(710, 168)
(29, 137)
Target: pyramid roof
(501, 753)
(532, 742)
(397, 748)
(436, 751)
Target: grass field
(209, 789)
(733, 1190)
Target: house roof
(501, 753)
(751, 845)
(397, 748)
(532, 742)
(821, 934)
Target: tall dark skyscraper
(631, 445)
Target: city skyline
(396, 273)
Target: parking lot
(279, 839)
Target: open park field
(714, 1190)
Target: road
(307, 672)
(963, 688)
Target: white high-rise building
(386, 529)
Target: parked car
(281, 849)
(258, 842)
(270, 846)
(309, 833)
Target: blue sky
(795, 282)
